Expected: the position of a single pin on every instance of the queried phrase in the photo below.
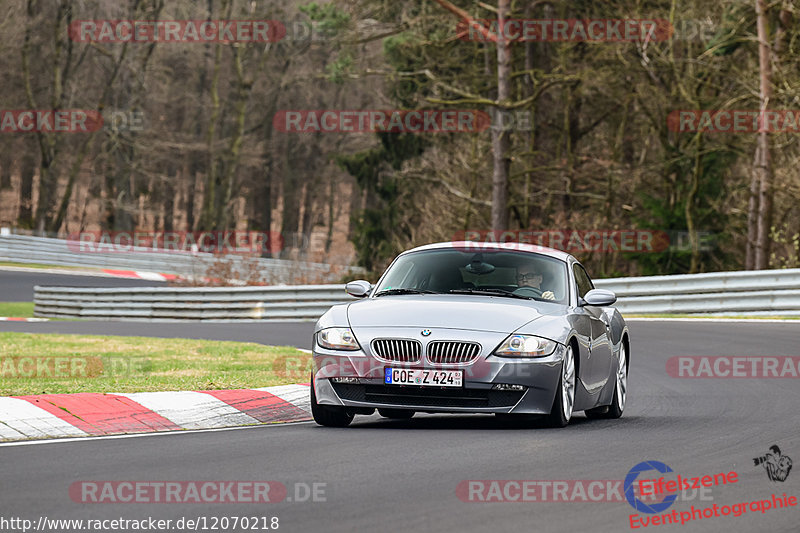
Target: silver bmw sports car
(465, 327)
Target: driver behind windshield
(529, 276)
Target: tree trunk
(501, 139)
(261, 211)
(752, 218)
(208, 214)
(694, 186)
(530, 64)
(331, 211)
(195, 169)
(307, 224)
(224, 219)
(290, 215)
(763, 164)
(27, 169)
(168, 188)
(54, 225)
(356, 205)
(5, 168)
(123, 202)
(47, 185)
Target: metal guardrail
(753, 293)
(48, 251)
(206, 303)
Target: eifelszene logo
(630, 483)
(777, 466)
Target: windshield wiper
(491, 292)
(404, 291)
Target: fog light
(506, 386)
(344, 379)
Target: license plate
(423, 377)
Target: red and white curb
(20, 319)
(101, 273)
(155, 276)
(138, 274)
(128, 274)
(90, 414)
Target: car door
(599, 360)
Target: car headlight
(337, 339)
(525, 346)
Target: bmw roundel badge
(425, 332)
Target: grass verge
(54, 363)
(16, 309)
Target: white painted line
(32, 422)
(192, 410)
(297, 395)
(139, 435)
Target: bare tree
(501, 137)
(760, 205)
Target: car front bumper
(364, 386)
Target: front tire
(561, 412)
(329, 415)
(620, 390)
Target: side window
(582, 280)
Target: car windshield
(487, 273)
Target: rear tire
(396, 414)
(563, 403)
(620, 391)
(329, 415)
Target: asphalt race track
(16, 286)
(382, 475)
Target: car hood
(480, 313)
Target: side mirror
(359, 288)
(600, 298)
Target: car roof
(491, 246)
